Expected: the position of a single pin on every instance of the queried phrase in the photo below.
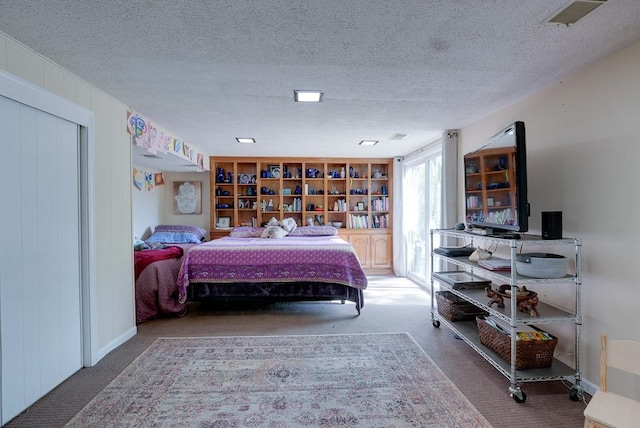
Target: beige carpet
(391, 305)
(348, 380)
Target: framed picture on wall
(187, 197)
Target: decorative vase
(343, 174)
(220, 176)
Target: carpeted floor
(372, 380)
(391, 305)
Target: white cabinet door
(40, 323)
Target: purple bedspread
(324, 259)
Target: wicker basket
(531, 354)
(455, 308)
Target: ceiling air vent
(575, 11)
(398, 136)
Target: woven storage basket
(455, 308)
(531, 354)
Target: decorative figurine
(494, 296)
(530, 304)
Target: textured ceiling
(210, 71)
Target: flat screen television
(496, 183)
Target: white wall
(156, 207)
(114, 258)
(148, 207)
(583, 154)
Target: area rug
(355, 380)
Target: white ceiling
(210, 71)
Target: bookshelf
(352, 192)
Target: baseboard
(117, 342)
(589, 387)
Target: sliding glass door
(422, 208)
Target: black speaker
(551, 224)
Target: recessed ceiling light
(307, 96)
(368, 142)
(246, 140)
(398, 136)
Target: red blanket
(142, 259)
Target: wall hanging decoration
(187, 197)
(146, 134)
(138, 178)
(159, 179)
(137, 127)
(148, 181)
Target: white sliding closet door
(40, 309)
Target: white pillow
(289, 224)
(273, 232)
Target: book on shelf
(358, 221)
(524, 333)
(495, 264)
(340, 205)
(380, 204)
(380, 221)
(532, 334)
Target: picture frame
(275, 171)
(223, 223)
(460, 279)
(187, 197)
(244, 179)
(360, 206)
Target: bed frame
(276, 291)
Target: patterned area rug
(363, 380)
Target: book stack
(381, 221)
(358, 221)
(380, 204)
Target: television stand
(492, 350)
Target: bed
(311, 263)
(157, 262)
